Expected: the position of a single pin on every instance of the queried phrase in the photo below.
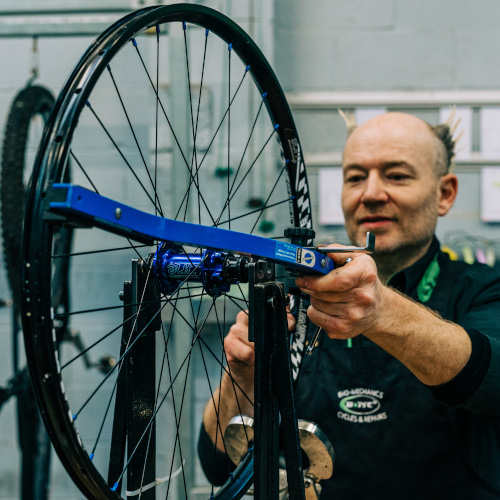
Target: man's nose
(374, 191)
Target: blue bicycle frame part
(88, 207)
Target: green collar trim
(429, 280)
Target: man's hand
(235, 393)
(240, 352)
(347, 301)
(351, 300)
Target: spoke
(197, 120)
(247, 144)
(233, 193)
(268, 198)
(83, 170)
(120, 153)
(97, 309)
(221, 337)
(177, 419)
(210, 145)
(226, 370)
(153, 184)
(236, 304)
(246, 174)
(223, 117)
(101, 427)
(264, 207)
(186, 53)
(232, 297)
(173, 133)
(90, 252)
(121, 306)
(104, 337)
(156, 106)
(187, 357)
(129, 346)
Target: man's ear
(448, 188)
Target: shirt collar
(407, 280)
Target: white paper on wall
(490, 194)
(489, 123)
(330, 190)
(463, 113)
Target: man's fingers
(242, 318)
(361, 270)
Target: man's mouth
(375, 221)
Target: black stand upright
(273, 387)
(135, 393)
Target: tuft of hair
(349, 120)
(444, 132)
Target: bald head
(407, 129)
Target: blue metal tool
(90, 208)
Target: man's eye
(354, 178)
(398, 177)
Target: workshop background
(361, 56)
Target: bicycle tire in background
(30, 103)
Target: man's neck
(388, 264)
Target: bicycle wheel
(174, 111)
(28, 113)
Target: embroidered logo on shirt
(361, 405)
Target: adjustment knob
(300, 235)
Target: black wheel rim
(270, 148)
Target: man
(408, 394)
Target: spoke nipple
(91, 457)
(158, 28)
(75, 416)
(276, 126)
(207, 31)
(230, 47)
(88, 104)
(264, 95)
(287, 160)
(247, 68)
(134, 42)
(115, 487)
(118, 213)
(183, 25)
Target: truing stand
(273, 386)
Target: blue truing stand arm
(89, 207)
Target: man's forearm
(433, 349)
(228, 400)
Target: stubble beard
(398, 255)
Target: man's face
(390, 187)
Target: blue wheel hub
(217, 271)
